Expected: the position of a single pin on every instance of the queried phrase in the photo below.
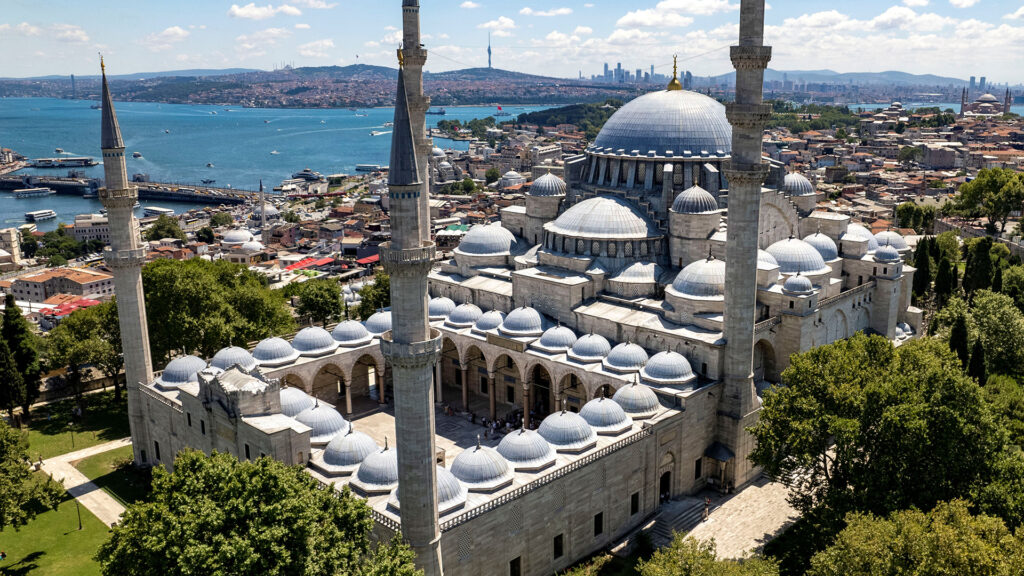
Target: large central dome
(678, 121)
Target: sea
(177, 141)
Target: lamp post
(79, 511)
(71, 427)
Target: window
(559, 546)
(247, 452)
(510, 394)
(515, 566)
(698, 468)
(156, 449)
(508, 362)
(860, 280)
(483, 385)
(704, 368)
(143, 455)
(598, 524)
(188, 416)
(790, 304)
(885, 270)
(634, 503)
(202, 427)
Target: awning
(369, 259)
(718, 451)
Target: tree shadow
(104, 416)
(23, 566)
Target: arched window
(612, 249)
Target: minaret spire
(110, 131)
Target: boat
(389, 124)
(33, 192)
(95, 107)
(209, 164)
(167, 131)
(378, 132)
(137, 205)
(323, 121)
(361, 115)
(208, 181)
(367, 167)
(59, 150)
(274, 152)
(266, 121)
(37, 215)
(213, 112)
(438, 112)
(90, 195)
(501, 112)
(63, 162)
(158, 211)
(136, 154)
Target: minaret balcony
(750, 57)
(129, 258)
(423, 255)
(118, 198)
(412, 355)
(748, 116)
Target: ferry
(438, 112)
(158, 211)
(367, 167)
(136, 154)
(37, 215)
(389, 124)
(167, 131)
(63, 162)
(501, 112)
(274, 152)
(59, 151)
(33, 192)
(378, 132)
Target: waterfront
(177, 142)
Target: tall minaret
(1008, 103)
(963, 103)
(412, 346)
(415, 56)
(746, 173)
(125, 258)
(263, 216)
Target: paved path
(742, 523)
(101, 504)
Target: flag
(499, 108)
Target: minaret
(415, 56)
(412, 346)
(746, 173)
(125, 258)
(263, 216)
(1008, 103)
(963, 103)
(488, 50)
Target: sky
(957, 38)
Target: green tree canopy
(1013, 285)
(910, 154)
(25, 346)
(492, 175)
(21, 495)
(320, 299)
(374, 296)
(215, 515)
(687, 556)
(89, 336)
(12, 383)
(221, 219)
(994, 194)
(164, 227)
(205, 235)
(999, 324)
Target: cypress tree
(923, 276)
(978, 275)
(921, 250)
(997, 280)
(977, 368)
(21, 341)
(945, 281)
(12, 385)
(958, 340)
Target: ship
(389, 124)
(501, 112)
(158, 211)
(58, 151)
(136, 154)
(274, 152)
(167, 131)
(438, 112)
(209, 164)
(33, 192)
(64, 162)
(37, 215)
(378, 132)
(208, 181)
(367, 167)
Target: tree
(374, 296)
(320, 299)
(12, 384)
(21, 495)
(908, 215)
(1013, 285)
(216, 515)
(909, 154)
(492, 175)
(24, 345)
(976, 369)
(978, 273)
(468, 186)
(994, 193)
(999, 325)
(923, 275)
(90, 336)
(997, 280)
(164, 227)
(29, 244)
(958, 340)
(947, 540)
(686, 556)
(945, 282)
(1005, 396)
(221, 219)
(291, 217)
(205, 235)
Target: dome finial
(385, 443)
(674, 84)
(564, 401)
(710, 255)
(477, 441)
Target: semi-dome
(603, 218)
(824, 245)
(379, 322)
(605, 416)
(890, 238)
(766, 261)
(548, 185)
(858, 232)
(626, 357)
(557, 339)
(798, 185)
(440, 307)
(526, 450)
(695, 200)
(324, 421)
(482, 468)
(637, 400)
(251, 246)
(668, 368)
(489, 320)
(351, 333)
(638, 273)
(349, 449)
(667, 121)
(180, 371)
(523, 321)
(702, 279)
(464, 315)
(798, 285)
(887, 253)
(378, 473)
(567, 432)
(487, 240)
(590, 348)
(294, 401)
(236, 237)
(232, 355)
(274, 352)
(795, 255)
(314, 341)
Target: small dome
(890, 238)
(798, 285)
(526, 450)
(590, 348)
(271, 210)
(702, 279)
(548, 185)
(795, 255)
(294, 401)
(325, 422)
(482, 467)
(603, 218)
(180, 371)
(626, 357)
(236, 237)
(444, 164)
(798, 185)
(887, 254)
(314, 341)
(274, 352)
(766, 261)
(557, 338)
(450, 492)
(379, 322)
(605, 416)
(487, 240)
(511, 174)
(349, 449)
(437, 152)
(695, 200)
(567, 432)
(439, 308)
(489, 320)
(637, 400)
(639, 273)
(351, 333)
(251, 246)
(524, 321)
(858, 232)
(464, 315)
(667, 367)
(378, 472)
(824, 245)
(231, 356)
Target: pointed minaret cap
(402, 171)
(111, 132)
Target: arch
(450, 363)
(365, 378)
(508, 381)
(764, 361)
(604, 390)
(778, 219)
(666, 476)
(842, 326)
(573, 391)
(541, 389)
(295, 381)
(328, 383)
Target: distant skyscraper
(688, 80)
(74, 93)
(488, 49)
(973, 83)
(981, 85)
(639, 74)
(605, 68)
(652, 72)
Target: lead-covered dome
(795, 255)
(232, 355)
(548, 185)
(858, 232)
(637, 400)
(324, 422)
(236, 237)
(439, 308)
(294, 401)
(487, 240)
(464, 315)
(180, 371)
(523, 321)
(482, 468)
(887, 253)
(274, 352)
(824, 245)
(378, 473)
(798, 185)
(351, 333)
(766, 261)
(489, 320)
(603, 218)
(626, 357)
(605, 416)
(695, 200)
(314, 341)
(567, 432)
(451, 494)
(590, 348)
(702, 279)
(676, 121)
(890, 238)
(557, 339)
(798, 285)
(349, 449)
(667, 368)
(526, 450)
(379, 322)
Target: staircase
(675, 516)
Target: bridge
(166, 191)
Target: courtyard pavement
(743, 523)
(101, 504)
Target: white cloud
(652, 18)
(1016, 15)
(317, 4)
(583, 30)
(699, 7)
(552, 12)
(316, 48)
(253, 12)
(393, 37)
(69, 33)
(500, 27)
(588, 5)
(963, 3)
(469, 5)
(302, 26)
(165, 40)
(23, 29)
(916, 3)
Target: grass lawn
(52, 545)
(105, 420)
(112, 471)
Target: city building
(91, 227)
(83, 282)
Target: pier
(166, 191)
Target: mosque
(632, 312)
(985, 105)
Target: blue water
(237, 141)
(955, 106)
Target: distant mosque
(985, 105)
